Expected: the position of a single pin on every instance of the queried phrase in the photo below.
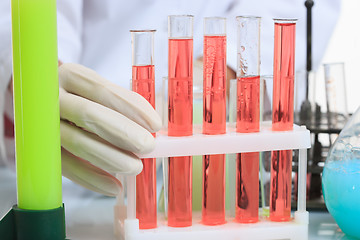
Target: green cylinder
(36, 103)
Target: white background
(344, 47)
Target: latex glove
(102, 127)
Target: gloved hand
(102, 126)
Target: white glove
(102, 126)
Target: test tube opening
(180, 26)
(142, 42)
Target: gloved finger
(89, 176)
(106, 123)
(82, 81)
(98, 152)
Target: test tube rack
(126, 225)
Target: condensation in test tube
(248, 117)
(214, 118)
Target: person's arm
(103, 126)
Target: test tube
(335, 87)
(214, 118)
(180, 86)
(283, 117)
(248, 117)
(143, 82)
(36, 93)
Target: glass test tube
(35, 68)
(283, 117)
(180, 86)
(214, 119)
(143, 82)
(248, 117)
(336, 102)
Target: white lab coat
(95, 33)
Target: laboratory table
(90, 215)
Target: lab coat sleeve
(70, 20)
(5, 67)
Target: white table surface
(90, 216)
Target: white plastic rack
(127, 226)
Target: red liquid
(180, 87)
(283, 92)
(248, 104)
(214, 122)
(280, 185)
(214, 115)
(283, 118)
(247, 187)
(146, 194)
(180, 124)
(143, 82)
(213, 204)
(247, 171)
(180, 192)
